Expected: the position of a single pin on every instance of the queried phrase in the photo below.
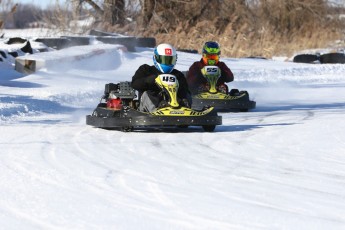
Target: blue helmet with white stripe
(165, 58)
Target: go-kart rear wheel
(127, 129)
(209, 128)
(234, 92)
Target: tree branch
(95, 6)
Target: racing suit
(197, 82)
(151, 95)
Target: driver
(210, 57)
(151, 97)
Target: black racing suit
(144, 80)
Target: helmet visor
(166, 60)
(214, 57)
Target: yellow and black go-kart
(118, 110)
(233, 101)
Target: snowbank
(31, 63)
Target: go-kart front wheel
(209, 128)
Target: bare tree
(7, 10)
(26, 14)
(147, 9)
(112, 11)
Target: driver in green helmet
(210, 57)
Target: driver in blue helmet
(143, 81)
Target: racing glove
(203, 88)
(223, 88)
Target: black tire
(27, 48)
(16, 40)
(332, 58)
(234, 92)
(209, 128)
(13, 54)
(127, 129)
(306, 58)
(3, 54)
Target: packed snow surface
(279, 166)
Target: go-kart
(118, 109)
(220, 98)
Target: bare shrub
(69, 18)
(26, 14)
(243, 27)
(7, 9)
(263, 28)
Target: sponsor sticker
(168, 51)
(177, 112)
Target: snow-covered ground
(279, 166)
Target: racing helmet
(165, 57)
(210, 53)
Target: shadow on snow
(28, 106)
(300, 107)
